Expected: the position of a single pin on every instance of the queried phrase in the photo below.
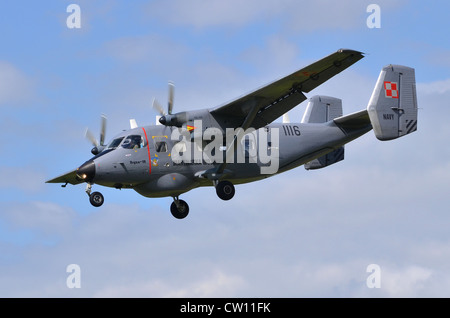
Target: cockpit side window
(133, 142)
(115, 143)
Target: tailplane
(393, 106)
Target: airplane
(239, 142)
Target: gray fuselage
(142, 158)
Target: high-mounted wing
(266, 104)
(70, 177)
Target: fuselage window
(161, 146)
(133, 142)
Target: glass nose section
(86, 172)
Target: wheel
(225, 190)
(180, 210)
(96, 199)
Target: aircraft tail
(393, 106)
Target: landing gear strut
(225, 190)
(179, 208)
(96, 198)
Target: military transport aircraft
(238, 143)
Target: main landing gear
(95, 198)
(180, 209)
(224, 189)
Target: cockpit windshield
(133, 142)
(115, 143)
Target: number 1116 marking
(290, 130)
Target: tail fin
(393, 106)
(322, 109)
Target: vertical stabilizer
(322, 109)
(393, 106)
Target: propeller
(157, 106)
(98, 145)
(170, 98)
(165, 116)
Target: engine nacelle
(176, 120)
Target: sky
(298, 234)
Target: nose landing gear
(95, 198)
(179, 208)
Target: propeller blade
(157, 106)
(171, 93)
(88, 134)
(103, 130)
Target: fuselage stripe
(148, 150)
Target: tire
(180, 211)
(96, 199)
(225, 190)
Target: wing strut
(230, 148)
(217, 173)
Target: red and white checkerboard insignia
(391, 89)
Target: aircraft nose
(86, 171)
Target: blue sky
(299, 234)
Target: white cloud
(201, 14)
(15, 86)
(438, 87)
(43, 217)
(278, 54)
(405, 282)
(151, 49)
(294, 16)
(215, 283)
(202, 80)
(24, 178)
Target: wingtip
(350, 51)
